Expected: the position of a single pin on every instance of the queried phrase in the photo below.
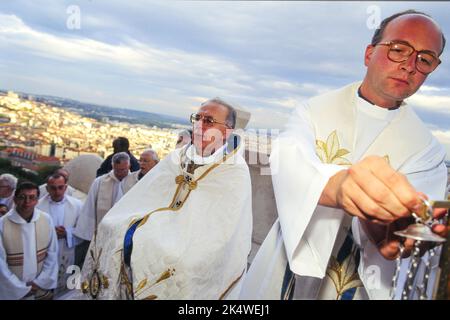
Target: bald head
(395, 61)
(411, 15)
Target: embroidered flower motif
(344, 276)
(330, 151)
(143, 284)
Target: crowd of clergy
(35, 257)
(348, 172)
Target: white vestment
(14, 287)
(90, 216)
(325, 135)
(64, 213)
(193, 237)
(129, 181)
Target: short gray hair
(119, 157)
(231, 116)
(151, 152)
(9, 179)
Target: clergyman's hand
(34, 286)
(61, 232)
(372, 191)
(388, 243)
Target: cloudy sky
(168, 56)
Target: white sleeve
(70, 237)
(86, 221)
(48, 277)
(11, 287)
(71, 240)
(121, 191)
(299, 177)
(427, 173)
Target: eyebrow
(409, 44)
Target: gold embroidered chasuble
(192, 233)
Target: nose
(409, 65)
(199, 127)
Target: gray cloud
(166, 56)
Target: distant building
(27, 159)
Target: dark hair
(378, 34)
(121, 144)
(26, 185)
(57, 176)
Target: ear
(368, 54)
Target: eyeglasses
(61, 187)
(24, 197)
(207, 120)
(399, 51)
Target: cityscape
(45, 131)
(54, 132)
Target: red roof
(30, 154)
(42, 158)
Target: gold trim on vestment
(231, 285)
(179, 181)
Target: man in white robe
(147, 161)
(64, 211)
(184, 231)
(345, 175)
(103, 194)
(28, 249)
(7, 187)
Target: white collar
(16, 218)
(376, 111)
(113, 176)
(191, 154)
(51, 202)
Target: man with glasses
(348, 172)
(148, 159)
(120, 144)
(28, 248)
(7, 187)
(184, 231)
(64, 211)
